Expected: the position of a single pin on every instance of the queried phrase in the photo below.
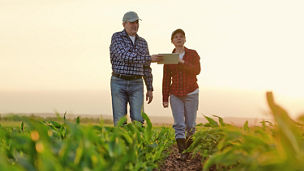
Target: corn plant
(278, 146)
(51, 145)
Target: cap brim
(135, 19)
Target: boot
(181, 144)
(189, 141)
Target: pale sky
(246, 48)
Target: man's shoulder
(119, 33)
(141, 39)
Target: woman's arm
(192, 66)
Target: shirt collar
(124, 32)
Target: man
(130, 61)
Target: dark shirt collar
(124, 32)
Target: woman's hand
(165, 104)
(181, 61)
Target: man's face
(131, 27)
(178, 40)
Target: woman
(180, 84)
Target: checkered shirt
(131, 59)
(180, 79)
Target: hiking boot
(189, 141)
(181, 144)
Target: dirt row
(172, 162)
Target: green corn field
(35, 145)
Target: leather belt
(127, 77)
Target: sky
(55, 53)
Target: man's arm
(148, 78)
(166, 84)
(118, 49)
(148, 81)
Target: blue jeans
(124, 92)
(184, 110)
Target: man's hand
(165, 104)
(149, 96)
(156, 58)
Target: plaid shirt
(180, 79)
(129, 59)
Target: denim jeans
(124, 92)
(184, 110)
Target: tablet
(169, 58)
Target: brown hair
(177, 31)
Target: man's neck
(130, 34)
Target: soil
(173, 162)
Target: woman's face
(178, 40)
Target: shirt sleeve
(148, 77)
(193, 66)
(119, 50)
(166, 83)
